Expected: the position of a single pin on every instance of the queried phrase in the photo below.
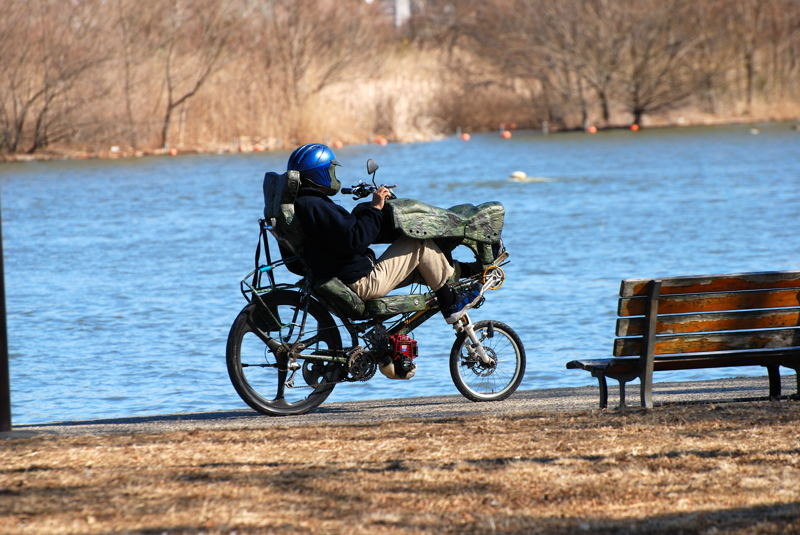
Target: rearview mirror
(372, 166)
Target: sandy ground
(538, 463)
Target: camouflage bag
(415, 219)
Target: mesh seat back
(280, 191)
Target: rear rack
(253, 285)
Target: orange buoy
(337, 144)
(465, 137)
(382, 141)
(173, 151)
(634, 127)
(591, 129)
(505, 134)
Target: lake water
(122, 276)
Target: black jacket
(336, 242)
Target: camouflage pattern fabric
(341, 298)
(280, 191)
(415, 219)
(346, 303)
(398, 304)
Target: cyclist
(337, 241)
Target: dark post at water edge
(5, 388)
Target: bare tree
(713, 56)
(16, 96)
(194, 41)
(134, 27)
(747, 23)
(599, 49)
(766, 32)
(310, 45)
(41, 81)
(657, 72)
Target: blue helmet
(316, 163)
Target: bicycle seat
(280, 191)
(346, 303)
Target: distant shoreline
(116, 153)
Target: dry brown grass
(702, 468)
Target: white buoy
(522, 176)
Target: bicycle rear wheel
(478, 381)
(262, 379)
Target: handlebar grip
(347, 191)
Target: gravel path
(439, 407)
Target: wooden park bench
(682, 323)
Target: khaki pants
(398, 262)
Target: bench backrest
(720, 313)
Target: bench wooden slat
(682, 304)
(692, 343)
(627, 365)
(725, 360)
(725, 321)
(714, 283)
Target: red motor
(403, 346)
(403, 350)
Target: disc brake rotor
(477, 366)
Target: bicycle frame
(254, 285)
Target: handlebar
(362, 189)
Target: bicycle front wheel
(479, 381)
(265, 381)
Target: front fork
(474, 347)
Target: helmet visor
(335, 186)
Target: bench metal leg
(796, 395)
(797, 378)
(601, 379)
(774, 382)
(646, 392)
(622, 394)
